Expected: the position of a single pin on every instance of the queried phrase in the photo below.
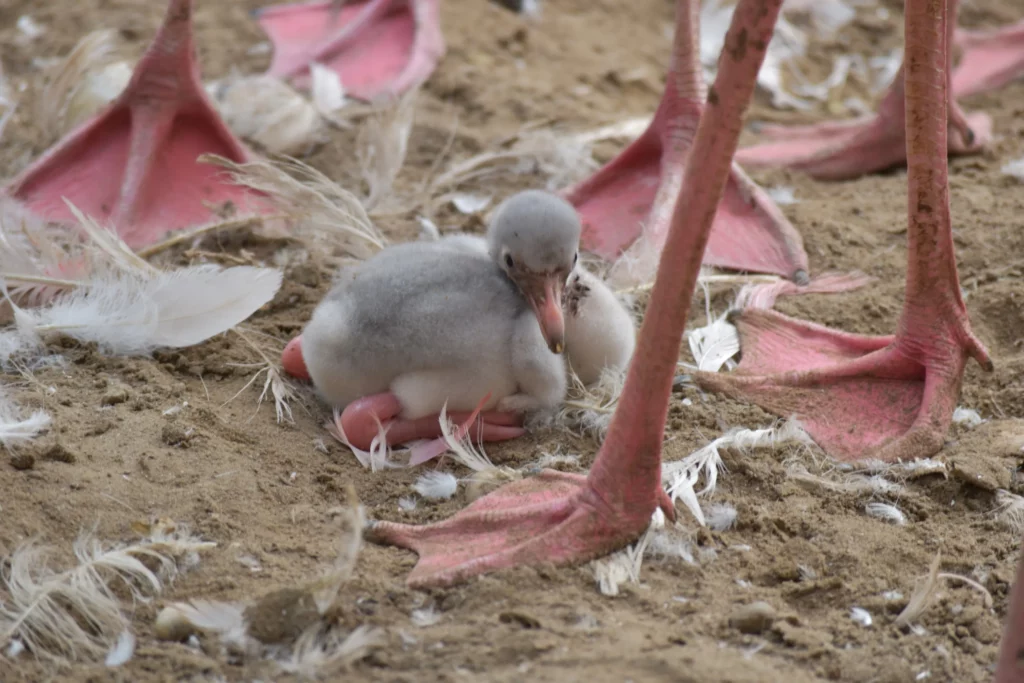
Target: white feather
(714, 345)
(14, 429)
(721, 517)
(436, 485)
(861, 616)
(133, 314)
(886, 513)
(267, 111)
(1014, 168)
(1010, 511)
(122, 651)
(327, 90)
(967, 417)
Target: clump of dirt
(171, 436)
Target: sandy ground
(268, 497)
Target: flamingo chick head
(534, 238)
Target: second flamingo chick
(600, 333)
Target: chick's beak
(545, 296)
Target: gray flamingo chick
(421, 325)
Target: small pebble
(114, 395)
(281, 616)
(23, 461)
(172, 625)
(58, 453)
(176, 435)
(753, 618)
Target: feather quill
(133, 314)
(16, 430)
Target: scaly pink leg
(360, 418)
(565, 519)
(849, 149)
(377, 47)
(990, 59)
(626, 207)
(134, 165)
(1010, 668)
(887, 397)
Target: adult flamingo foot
(565, 519)
(626, 207)
(135, 164)
(377, 47)
(989, 59)
(849, 149)
(887, 397)
(890, 397)
(553, 517)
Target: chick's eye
(508, 260)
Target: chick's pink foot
(377, 47)
(554, 517)
(990, 59)
(135, 164)
(362, 419)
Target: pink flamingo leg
(990, 59)
(890, 397)
(134, 165)
(360, 421)
(849, 149)
(1010, 668)
(565, 519)
(626, 207)
(377, 47)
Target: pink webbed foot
(885, 397)
(626, 207)
(553, 517)
(842, 150)
(377, 47)
(134, 166)
(990, 59)
(890, 397)
(362, 419)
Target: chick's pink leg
(361, 418)
(626, 207)
(565, 519)
(990, 59)
(377, 47)
(849, 149)
(135, 164)
(888, 397)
